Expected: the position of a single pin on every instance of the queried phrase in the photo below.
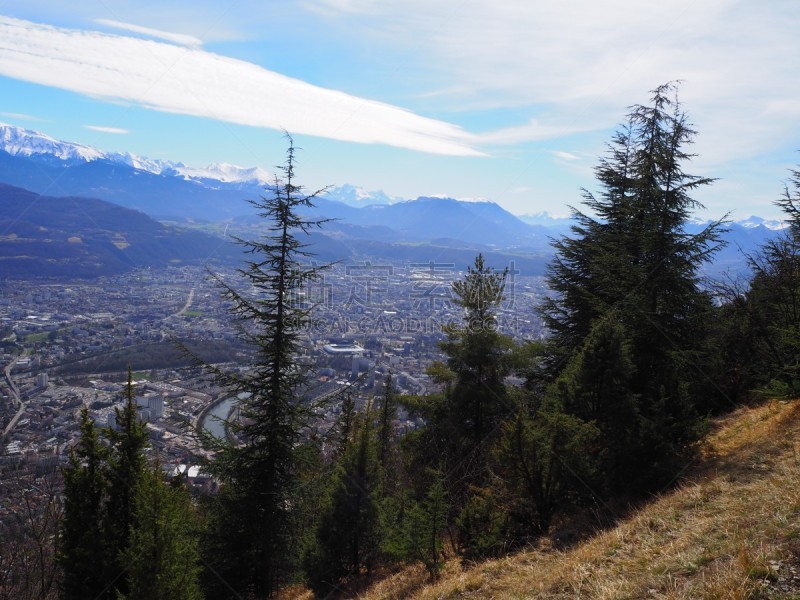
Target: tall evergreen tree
(460, 421)
(634, 257)
(387, 451)
(425, 527)
(771, 307)
(125, 534)
(251, 544)
(81, 552)
(163, 559)
(476, 352)
(347, 537)
(124, 469)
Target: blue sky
(509, 100)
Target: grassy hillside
(730, 530)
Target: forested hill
(730, 530)
(75, 237)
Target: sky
(512, 101)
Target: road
(15, 400)
(186, 306)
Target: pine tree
(635, 259)
(476, 350)
(81, 552)
(125, 469)
(388, 459)
(250, 545)
(163, 559)
(595, 387)
(544, 459)
(461, 421)
(347, 537)
(771, 306)
(425, 526)
(125, 535)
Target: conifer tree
(387, 452)
(163, 559)
(476, 352)
(461, 421)
(125, 468)
(250, 544)
(347, 537)
(543, 459)
(81, 552)
(125, 534)
(773, 304)
(635, 258)
(425, 526)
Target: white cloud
(191, 81)
(533, 131)
(20, 116)
(579, 64)
(565, 155)
(176, 38)
(103, 129)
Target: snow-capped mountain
(754, 221)
(28, 143)
(226, 173)
(357, 196)
(25, 142)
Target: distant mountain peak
(754, 221)
(18, 141)
(227, 173)
(353, 195)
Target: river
(214, 420)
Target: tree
(81, 550)
(163, 558)
(125, 534)
(461, 421)
(634, 262)
(29, 532)
(252, 537)
(476, 350)
(388, 459)
(770, 309)
(124, 469)
(347, 537)
(425, 525)
(596, 387)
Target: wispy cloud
(19, 116)
(565, 155)
(103, 129)
(175, 38)
(584, 62)
(535, 130)
(191, 81)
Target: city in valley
(69, 345)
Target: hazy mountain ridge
(361, 220)
(71, 237)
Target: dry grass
(730, 531)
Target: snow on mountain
(25, 142)
(356, 196)
(157, 167)
(754, 221)
(227, 173)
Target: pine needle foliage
(251, 533)
(630, 259)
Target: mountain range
(364, 224)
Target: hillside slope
(730, 530)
